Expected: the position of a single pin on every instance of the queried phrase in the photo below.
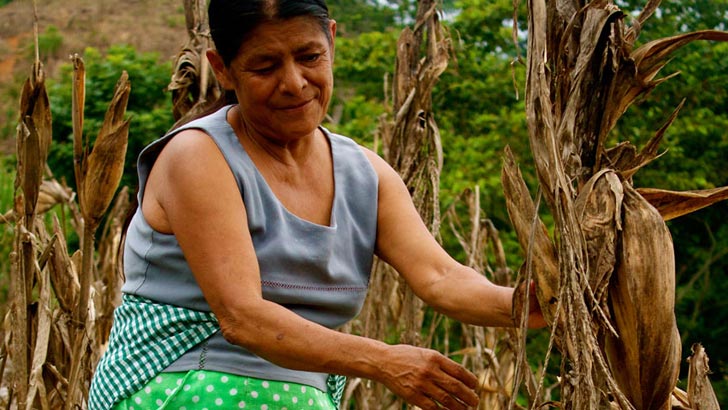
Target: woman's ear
(332, 32)
(221, 72)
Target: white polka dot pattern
(209, 390)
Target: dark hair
(232, 21)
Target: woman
(255, 236)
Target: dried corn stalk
(52, 341)
(411, 144)
(193, 83)
(610, 300)
(487, 352)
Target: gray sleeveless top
(319, 272)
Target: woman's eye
(310, 58)
(264, 70)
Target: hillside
(157, 26)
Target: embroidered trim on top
(273, 284)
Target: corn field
(610, 251)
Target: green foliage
(7, 193)
(49, 44)
(354, 17)
(362, 62)
(149, 107)
(477, 107)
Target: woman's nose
(292, 80)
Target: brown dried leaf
(672, 204)
(653, 56)
(30, 173)
(649, 152)
(63, 276)
(78, 98)
(105, 168)
(599, 208)
(532, 235)
(52, 193)
(114, 116)
(42, 340)
(700, 391)
(105, 164)
(645, 358)
(33, 136)
(34, 103)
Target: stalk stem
(81, 314)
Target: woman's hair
(232, 21)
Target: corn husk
(645, 357)
(34, 136)
(106, 161)
(673, 204)
(599, 208)
(63, 273)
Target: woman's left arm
(451, 288)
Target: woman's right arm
(192, 193)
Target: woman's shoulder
(355, 148)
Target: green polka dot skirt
(209, 390)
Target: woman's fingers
(461, 384)
(430, 380)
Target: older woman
(254, 239)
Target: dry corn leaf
(653, 56)
(645, 358)
(63, 276)
(649, 152)
(78, 101)
(532, 235)
(673, 204)
(42, 339)
(700, 392)
(680, 399)
(193, 83)
(639, 70)
(52, 193)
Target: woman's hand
(427, 379)
(536, 319)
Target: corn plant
(61, 300)
(606, 282)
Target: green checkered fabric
(145, 339)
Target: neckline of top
(259, 175)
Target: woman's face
(283, 78)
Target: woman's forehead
(290, 35)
